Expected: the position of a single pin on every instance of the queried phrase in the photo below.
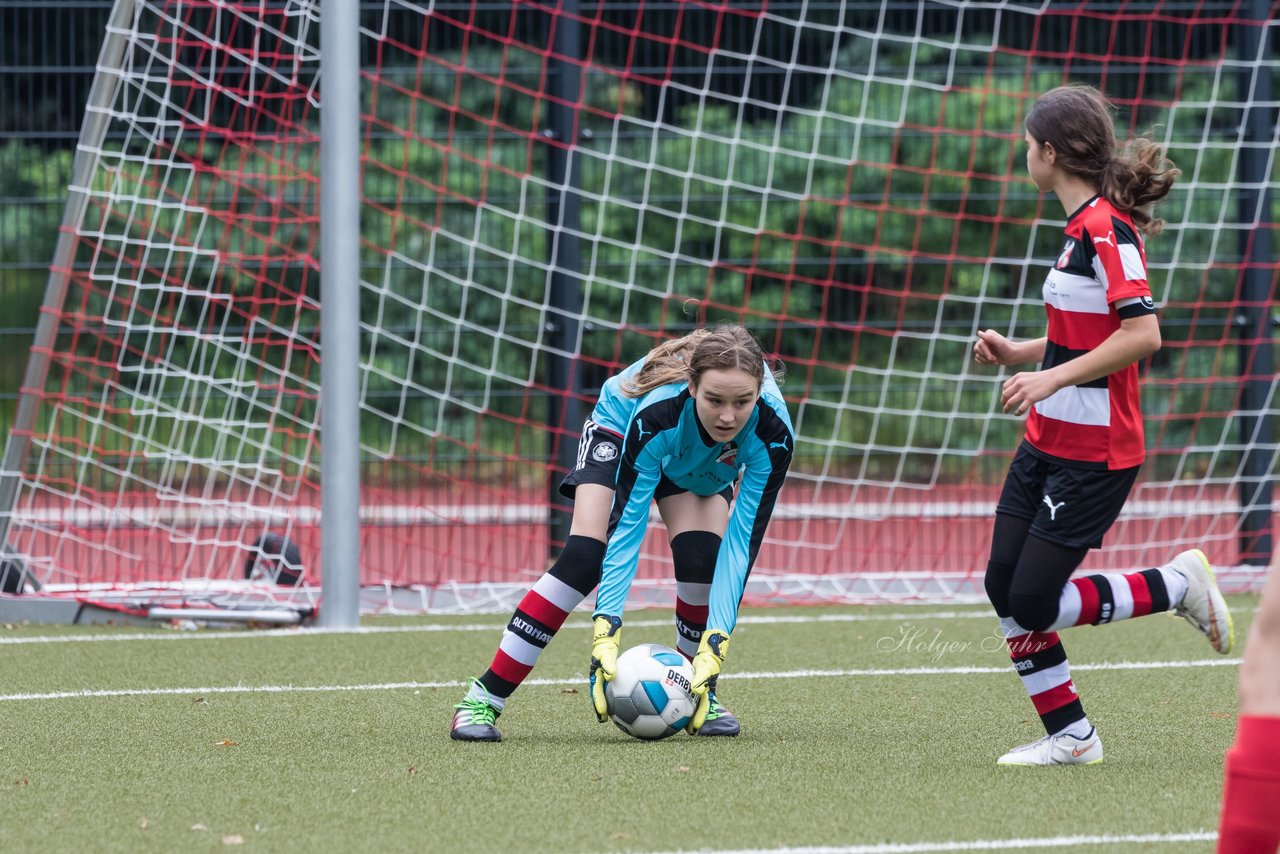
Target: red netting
(850, 185)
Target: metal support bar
(564, 297)
(340, 314)
(1257, 347)
(92, 133)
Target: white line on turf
(985, 844)
(251, 634)
(457, 683)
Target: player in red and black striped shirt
(1084, 441)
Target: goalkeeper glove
(606, 635)
(712, 649)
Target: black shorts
(1073, 507)
(600, 454)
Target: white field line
(252, 634)
(985, 844)
(458, 683)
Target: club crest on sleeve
(604, 452)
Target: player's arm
(638, 476)
(1136, 339)
(622, 554)
(1120, 265)
(992, 348)
(752, 509)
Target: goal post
(92, 134)
(340, 313)
(546, 190)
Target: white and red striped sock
(1041, 662)
(535, 622)
(542, 612)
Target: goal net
(549, 189)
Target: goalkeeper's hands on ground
(605, 637)
(712, 650)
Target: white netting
(845, 178)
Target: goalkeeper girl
(1084, 438)
(681, 426)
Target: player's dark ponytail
(1138, 178)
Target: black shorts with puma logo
(1071, 506)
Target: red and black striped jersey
(1099, 279)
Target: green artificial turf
(854, 734)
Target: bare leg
(1251, 788)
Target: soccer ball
(649, 697)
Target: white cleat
(1203, 605)
(1057, 750)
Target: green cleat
(720, 721)
(475, 717)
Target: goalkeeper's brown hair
(725, 347)
(1076, 121)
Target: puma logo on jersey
(1053, 508)
(782, 445)
(640, 431)
(1107, 240)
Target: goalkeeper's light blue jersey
(662, 437)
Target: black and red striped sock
(1110, 597)
(1041, 662)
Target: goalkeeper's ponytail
(667, 363)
